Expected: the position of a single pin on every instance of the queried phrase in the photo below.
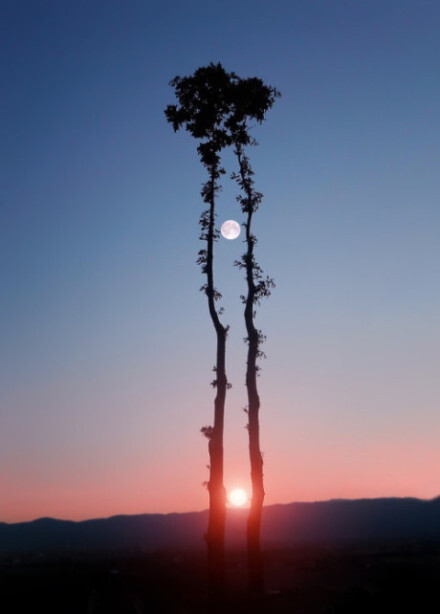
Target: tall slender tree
(215, 107)
(204, 105)
(252, 99)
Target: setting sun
(238, 497)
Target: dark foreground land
(354, 579)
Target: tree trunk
(255, 561)
(215, 536)
(257, 288)
(217, 495)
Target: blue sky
(106, 342)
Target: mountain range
(326, 522)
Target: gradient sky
(106, 344)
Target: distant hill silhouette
(330, 522)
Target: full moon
(238, 497)
(230, 229)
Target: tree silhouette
(204, 105)
(253, 98)
(215, 107)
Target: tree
(204, 104)
(253, 98)
(215, 107)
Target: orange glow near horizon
(173, 485)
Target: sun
(238, 497)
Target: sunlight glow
(238, 497)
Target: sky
(107, 348)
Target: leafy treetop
(215, 105)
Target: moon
(238, 497)
(230, 229)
